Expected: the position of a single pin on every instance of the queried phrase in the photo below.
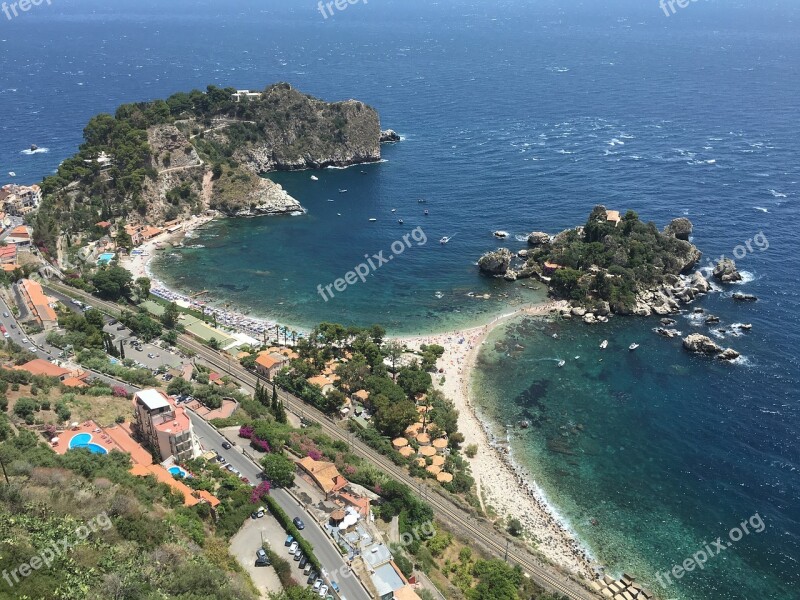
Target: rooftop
(152, 399)
(39, 366)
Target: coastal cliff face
(296, 131)
(611, 264)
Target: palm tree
(294, 337)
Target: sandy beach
(500, 484)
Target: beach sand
(500, 484)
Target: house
(19, 200)
(268, 364)
(551, 267)
(325, 474)
(19, 236)
(135, 233)
(322, 382)
(245, 94)
(103, 224)
(37, 304)
(164, 426)
(40, 366)
(612, 216)
(8, 254)
(190, 497)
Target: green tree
(143, 287)
(278, 469)
(171, 315)
(112, 283)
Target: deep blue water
(517, 116)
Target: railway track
(444, 508)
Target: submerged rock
(739, 296)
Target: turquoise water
(175, 470)
(650, 455)
(83, 440)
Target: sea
(515, 116)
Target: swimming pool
(176, 470)
(105, 258)
(84, 440)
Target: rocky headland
(161, 161)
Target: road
(38, 346)
(477, 529)
(329, 557)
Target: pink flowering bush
(119, 392)
(314, 454)
(259, 444)
(246, 431)
(258, 493)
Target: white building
(164, 426)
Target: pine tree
(275, 401)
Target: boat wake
(30, 151)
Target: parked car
(5, 314)
(13, 326)
(303, 563)
(226, 445)
(317, 584)
(261, 512)
(120, 327)
(262, 560)
(220, 459)
(322, 591)
(298, 555)
(298, 522)
(245, 479)
(335, 586)
(254, 515)
(289, 540)
(293, 548)
(113, 322)
(312, 575)
(307, 569)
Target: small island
(611, 264)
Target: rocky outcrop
(170, 149)
(725, 271)
(495, 263)
(667, 333)
(701, 344)
(538, 238)
(389, 136)
(700, 283)
(741, 297)
(680, 228)
(252, 198)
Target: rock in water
(680, 228)
(726, 272)
(538, 238)
(701, 344)
(728, 354)
(699, 283)
(739, 296)
(495, 263)
(389, 136)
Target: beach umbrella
(54, 440)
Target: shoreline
(500, 482)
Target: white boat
(342, 191)
(604, 344)
(314, 178)
(555, 336)
(500, 234)
(561, 363)
(12, 174)
(394, 210)
(426, 212)
(338, 214)
(400, 221)
(633, 346)
(444, 240)
(373, 219)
